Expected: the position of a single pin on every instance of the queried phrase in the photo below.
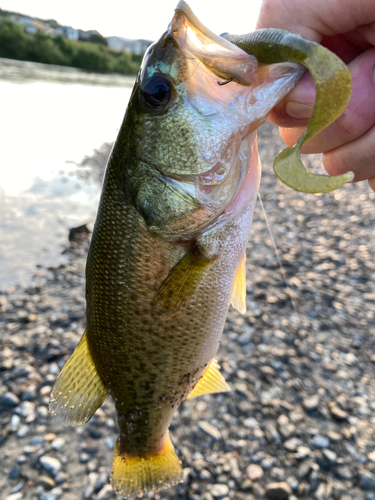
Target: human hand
(347, 28)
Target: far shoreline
(62, 74)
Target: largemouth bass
(167, 254)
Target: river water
(50, 119)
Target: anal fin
(211, 381)
(78, 391)
(182, 281)
(238, 296)
(134, 475)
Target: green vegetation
(38, 47)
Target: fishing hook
(224, 83)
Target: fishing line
(287, 289)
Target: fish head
(196, 104)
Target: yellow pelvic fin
(238, 296)
(182, 281)
(211, 381)
(134, 475)
(78, 391)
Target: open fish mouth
(201, 99)
(224, 59)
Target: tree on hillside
(13, 40)
(99, 39)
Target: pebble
(210, 429)
(293, 483)
(333, 436)
(54, 494)
(23, 431)
(205, 475)
(61, 477)
(278, 491)
(110, 442)
(45, 390)
(13, 474)
(18, 487)
(337, 413)
(320, 441)
(25, 409)
(250, 423)
(84, 458)
(30, 393)
(302, 452)
(15, 422)
(344, 472)
(36, 440)
(58, 443)
(292, 444)
(47, 482)
(286, 428)
(311, 403)
(49, 437)
(106, 493)
(366, 480)
(9, 400)
(330, 455)
(14, 496)
(304, 469)
(219, 490)
(254, 472)
(50, 464)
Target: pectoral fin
(211, 381)
(333, 89)
(238, 296)
(78, 391)
(182, 281)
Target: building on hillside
(26, 21)
(83, 35)
(140, 46)
(71, 33)
(86, 36)
(39, 25)
(128, 45)
(116, 42)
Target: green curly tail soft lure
(333, 89)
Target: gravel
(300, 420)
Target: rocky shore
(300, 420)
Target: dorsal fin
(238, 296)
(211, 381)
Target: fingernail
(296, 109)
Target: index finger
(315, 18)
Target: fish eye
(157, 92)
